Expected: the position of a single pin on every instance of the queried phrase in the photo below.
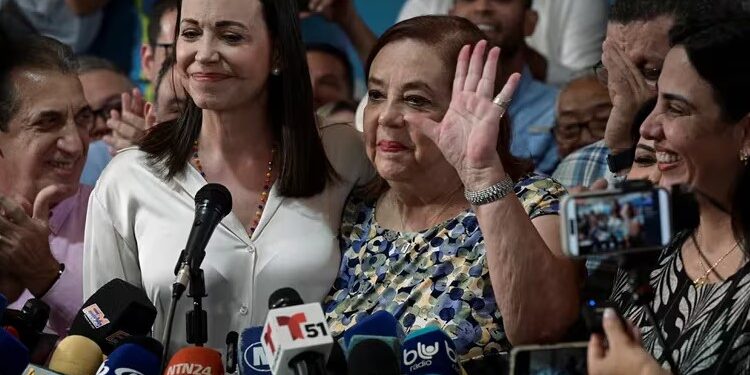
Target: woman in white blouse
(248, 125)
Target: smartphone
(560, 359)
(615, 222)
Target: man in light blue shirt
(532, 116)
(532, 111)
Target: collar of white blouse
(191, 181)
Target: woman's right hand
(621, 352)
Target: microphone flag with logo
(429, 351)
(295, 338)
(116, 311)
(195, 360)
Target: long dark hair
(447, 35)
(716, 46)
(305, 169)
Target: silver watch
(493, 193)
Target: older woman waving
(436, 242)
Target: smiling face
(505, 22)
(47, 138)
(693, 143)
(224, 50)
(406, 77)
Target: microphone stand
(196, 319)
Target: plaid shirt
(584, 166)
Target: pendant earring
(744, 157)
(276, 71)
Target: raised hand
(24, 240)
(467, 135)
(628, 90)
(129, 125)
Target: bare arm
(536, 286)
(85, 7)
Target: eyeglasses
(572, 132)
(105, 112)
(651, 75)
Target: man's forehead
(636, 32)
(48, 91)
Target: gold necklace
(703, 280)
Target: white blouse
(137, 224)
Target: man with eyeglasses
(44, 135)
(104, 87)
(161, 29)
(634, 50)
(583, 109)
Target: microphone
(252, 357)
(296, 338)
(379, 323)
(130, 358)
(14, 357)
(116, 311)
(195, 360)
(76, 355)
(373, 357)
(429, 351)
(212, 203)
(29, 322)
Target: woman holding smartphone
(701, 130)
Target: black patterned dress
(705, 327)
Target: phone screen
(558, 360)
(618, 222)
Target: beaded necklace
(264, 193)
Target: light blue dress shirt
(97, 159)
(532, 116)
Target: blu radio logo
(423, 355)
(255, 358)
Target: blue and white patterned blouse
(438, 276)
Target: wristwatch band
(621, 160)
(493, 193)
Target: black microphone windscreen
(284, 297)
(218, 194)
(117, 310)
(151, 344)
(373, 357)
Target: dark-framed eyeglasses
(601, 73)
(572, 132)
(105, 112)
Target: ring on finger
(502, 103)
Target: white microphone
(296, 338)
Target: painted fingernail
(609, 313)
